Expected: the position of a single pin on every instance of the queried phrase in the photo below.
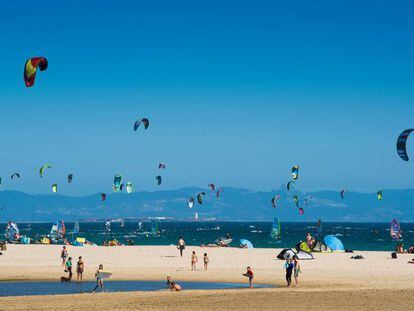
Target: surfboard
(104, 275)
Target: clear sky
(236, 91)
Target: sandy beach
(331, 280)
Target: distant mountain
(234, 204)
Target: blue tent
(334, 243)
(246, 242)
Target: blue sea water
(356, 236)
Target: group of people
(399, 249)
(292, 265)
(67, 264)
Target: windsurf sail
(319, 228)
(276, 232)
(154, 228)
(58, 231)
(76, 228)
(12, 232)
(395, 230)
(122, 223)
(108, 226)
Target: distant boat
(122, 223)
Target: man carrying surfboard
(100, 275)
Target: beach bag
(394, 255)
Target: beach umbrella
(334, 243)
(246, 242)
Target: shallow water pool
(57, 288)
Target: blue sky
(236, 92)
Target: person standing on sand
(69, 268)
(206, 261)
(194, 260)
(296, 269)
(79, 268)
(99, 281)
(250, 275)
(64, 255)
(289, 267)
(181, 245)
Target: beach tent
(321, 247)
(289, 253)
(246, 242)
(334, 243)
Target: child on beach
(194, 260)
(250, 275)
(79, 268)
(206, 261)
(289, 265)
(64, 255)
(296, 269)
(69, 268)
(172, 286)
(99, 281)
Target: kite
(200, 197)
(54, 188)
(288, 186)
(129, 187)
(218, 192)
(159, 180)
(30, 69)
(103, 197)
(295, 172)
(15, 175)
(301, 211)
(190, 202)
(402, 144)
(161, 166)
(117, 183)
(379, 195)
(343, 192)
(274, 199)
(144, 121)
(43, 168)
(212, 187)
(70, 177)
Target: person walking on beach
(64, 255)
(289, 267)
(206, 261)
(296, 269)
(79, 268)
(69, 268)
(99, 280)
(181, 245)
(194, 260)
(250, 275)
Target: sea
(354, 236)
